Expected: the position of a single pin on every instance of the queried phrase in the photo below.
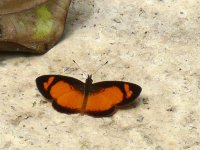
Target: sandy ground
(153, 43)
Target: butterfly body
(70, 95)
(87, 87)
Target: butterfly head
(89, 79)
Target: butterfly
(70, 95)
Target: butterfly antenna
(79, 67)
(100, 68)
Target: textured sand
(153, 43)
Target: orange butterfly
(100, 99)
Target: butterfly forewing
(105, 96)
(65, 91)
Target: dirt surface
(153, 43)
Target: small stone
(117, 20)
(171, 108)
(145, 101)
(158, 148)
(140, 118)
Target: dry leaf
(31, 26)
